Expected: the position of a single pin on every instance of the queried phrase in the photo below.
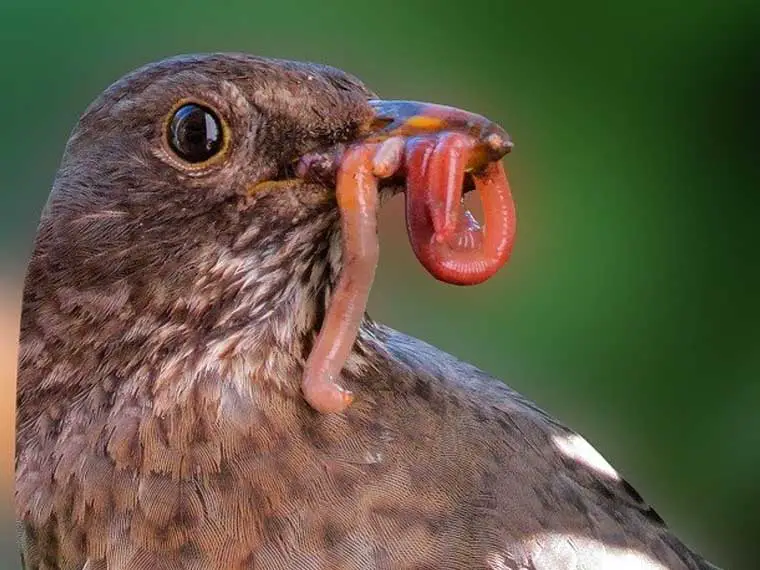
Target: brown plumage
(168, 314)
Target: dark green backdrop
(631, 307)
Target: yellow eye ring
(196, 135)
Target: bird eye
(195, 133)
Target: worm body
(445, 237)
(357, 201)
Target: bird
(184, 403)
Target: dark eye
(195, 133)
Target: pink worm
(357, 200)
(444, 236)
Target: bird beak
(397, 122)
(411, 118)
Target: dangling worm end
(326, 396)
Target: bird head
(194, 216)
(184, 168)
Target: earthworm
(445, 237)
(356, 194)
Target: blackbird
(199, 385)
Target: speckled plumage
(167, 318)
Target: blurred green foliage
(630, 309)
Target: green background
(630, 309)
